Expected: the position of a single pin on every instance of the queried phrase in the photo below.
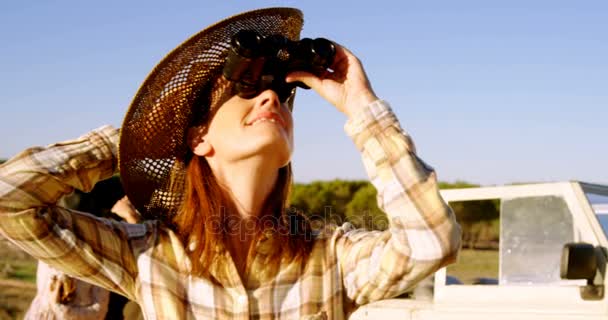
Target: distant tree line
(337, 201)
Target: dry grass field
(17, 281)
(474, 264)
(15, 298)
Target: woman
(212, 168)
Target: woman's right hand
(347, 87)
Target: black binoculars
(256, 63)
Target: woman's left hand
(124, 209)
(347, 87)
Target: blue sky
(492, 91)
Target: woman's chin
(274, 150)
(275, 143)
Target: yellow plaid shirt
(147, 263)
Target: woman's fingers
(307, 78)
(125, 209)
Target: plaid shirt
(147, 262)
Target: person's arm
(97, 250)
(423, 234)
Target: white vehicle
(551, 260)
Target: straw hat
(153, 149)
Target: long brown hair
(201, 223)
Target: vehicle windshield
(599, 203)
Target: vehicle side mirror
(584, 261)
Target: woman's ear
(197, 142)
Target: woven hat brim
(153, 148)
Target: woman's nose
(268, 97)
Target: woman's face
(246, 128)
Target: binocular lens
(257, 63)
(324, 52)
(246, 43)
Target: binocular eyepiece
(256, 63)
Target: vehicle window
(533, 232)
(603, 219)
(599, 203)
(596, 199)
(478, 260)
(514, 241)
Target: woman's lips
(267, 116)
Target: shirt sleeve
(97, 250)
(423, 234)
